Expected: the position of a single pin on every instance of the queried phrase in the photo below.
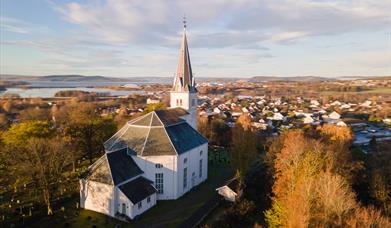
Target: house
(231, 191)
(334, 116)
(157, 156)
(341, 124)
(152, 100)
(336, 103)
(308, 120)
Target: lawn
(165, 214)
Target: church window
(201, 153)
(158, 165)
(148, 199)
(200, 171)
(177, 102)
(123, 209)
(140, 205)
(159, 183)
(184, 178)
(180, 101)
(185, 160)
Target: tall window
(200, 171)
(177, 102)
(159, 182)
(180, 101)
(193, 102)
(184, 178)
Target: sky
(236, 38)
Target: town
(209, 114)
(272, 108)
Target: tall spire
(184, 80)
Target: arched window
(177, 102)
(180, 101)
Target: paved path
(202, 212)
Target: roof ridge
(135, 119)
(111, 175)
(169, 138)
(147, 136)
(127, 127)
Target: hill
(298, 78)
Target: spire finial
(184, 21)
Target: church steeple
(184, 81)
(184, 93)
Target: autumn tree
(220, 133)
(45, 161)
(244, 148)
(3, 121)
(85, 128)
(309, 189)
(35, 114)
(379, 175)
(34, 154)
(153, 107)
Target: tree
(309, 190)
(243, 148)
(379, 173)
(19, 134)
(153, 107)
(35, 114)
(3, 121)
(34, 154)
(84, 127)
(219, 133)
(7, 106)
(44, 161)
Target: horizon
(236, 39)
(204, 77)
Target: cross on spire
(184, 21)
(184, 80)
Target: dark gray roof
(122, 166)
(138, 189)
(114, 168)
(171, 116)
(184, 137)
(160, 132)
(100, 171)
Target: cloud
(237, 22)
(14, 25)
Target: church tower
(184, 92)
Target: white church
(158, 156)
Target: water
(50, 92)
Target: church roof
(114, 168)
(138, 189)
(184, 80)
(160, 132)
